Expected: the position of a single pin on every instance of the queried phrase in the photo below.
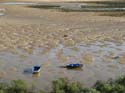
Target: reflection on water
(27, 71)
(76, 69)
(36, 75)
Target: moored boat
(36, 69)
(76, 65)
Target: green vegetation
(16, 86)
(108, 8)
(111, 86)
(63, 85)
(45, 6)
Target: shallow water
(17, 3)
(103, 65)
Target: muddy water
(101, 61)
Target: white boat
(36, 69)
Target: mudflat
(53, 38)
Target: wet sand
(30, 36)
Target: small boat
(36, 69)
(73, 66)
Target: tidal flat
(53, 38)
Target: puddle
(99, 63)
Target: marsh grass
(91, 7)
(64, 85)
(108, 8)
(45, 6)
(110, 3)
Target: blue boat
(77, 65)
(36, 69)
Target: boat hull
(74, 66)
(36, 69)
